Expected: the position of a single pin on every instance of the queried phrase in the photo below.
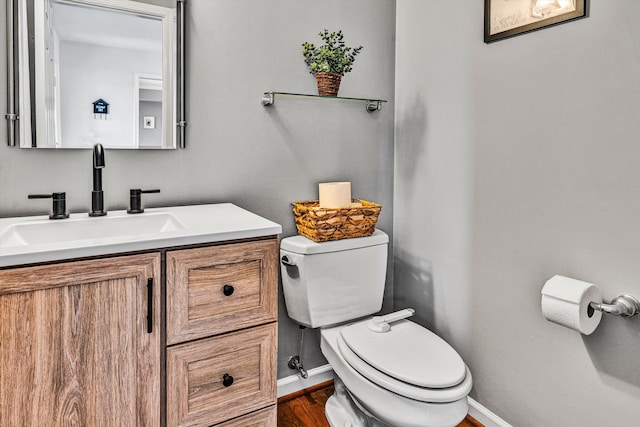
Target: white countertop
(188, 225)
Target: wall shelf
(269, 98)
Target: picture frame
(507, 18)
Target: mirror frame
(19, 90)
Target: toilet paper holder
(623, 305)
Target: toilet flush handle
(287, 261)
(381, 323)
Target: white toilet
(390, 371)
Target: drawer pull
(227, 380)
(150, 305)
(227, 290)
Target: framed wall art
(508, 18)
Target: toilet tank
(332, 282)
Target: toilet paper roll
(565, 301)
(334, 194)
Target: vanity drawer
(200, 391)
(267, 417)
(219, 289)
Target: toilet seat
(383, 404)
(409, 360)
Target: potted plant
(329, 62)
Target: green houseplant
(329, 62)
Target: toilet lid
(422, 394)
(408, 352)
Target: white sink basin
(27, 240)
(42, 232)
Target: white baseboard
(294, 383)
(318, 375)
(485, 416)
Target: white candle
(334, 194)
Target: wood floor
(306, 408)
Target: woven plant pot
(328, 83)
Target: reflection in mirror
(98, 71)
(148, 114)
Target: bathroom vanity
(172, 325)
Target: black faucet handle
(135, 200)
(59, 204)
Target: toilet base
(343, 411)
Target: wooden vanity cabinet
(222, 334)
(80, 343)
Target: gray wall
(516, 161)
(238, 151)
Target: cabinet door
(219, 289)
(80, 343)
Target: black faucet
(97, 195)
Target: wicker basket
(328, 83)
(324, 224)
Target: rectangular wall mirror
(96, 71)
